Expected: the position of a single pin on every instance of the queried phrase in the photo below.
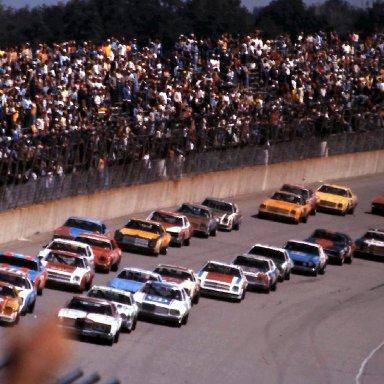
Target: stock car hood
(77, 314)
(125, 285)
(332, 198)
(61, 267)
(214, 276)
(301, 256)
(138, 233)
(327, 244)
(281, 204)
(378, 200)
(158, 300)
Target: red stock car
(378, 205)
(107, 252)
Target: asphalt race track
(325, 329)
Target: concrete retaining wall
(24, 222)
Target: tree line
(96, 20)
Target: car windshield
(327, 235)
(93, 242)
(166, 292)
(110, 295)
(18, 281)
(374, 236)
(90, 306)
(144, 226)
(260, 265)
(194, 210)
(19, 262)
(274, 254)
(67, 247)
(295, 199)
(169, 272)
(222, 269)
(139, 276)
(166, 218)
(219, 205)
(7, 291)
(295, 190)
(61, 258)
(302, 247)
(83, 224)
(333, 190)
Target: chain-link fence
(88, 164)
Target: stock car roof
(95, 221)
(169, 266)
(20, 255)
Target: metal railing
(69, 168)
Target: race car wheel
(31, 307)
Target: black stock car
(337, 245)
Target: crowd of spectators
(76, 103)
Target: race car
(68, 269)
(377, 205)
(201, 217)
(72, 246)
(302, 190)
(336, 198)
(106, 251)
(337, 245)
(371, 243)
(10, 304)
(164, 301)
(222, 280)
(176, 224)
(132, 279)
(29, 264)
(307, 257)
(286, 206)
(260, 272)
(90, 317)
(226, 212)
(278, 255)
(124, 301)
(143, 235)
(24, 286)
(183, 276)
(75, 225)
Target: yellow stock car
(143, 235)
(10, 304)
(336, 198)
(286, 205)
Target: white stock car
(58, 244)
(68, 269)
(222, 280)
(90, 317)
(124, 301)
(164, 301)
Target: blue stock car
(133, 279)
(75, 225)
(307, 257)
(32, 266)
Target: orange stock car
(286, 205)
(107, 252)
(143, 235)
(10, 304)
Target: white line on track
(365, 362)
